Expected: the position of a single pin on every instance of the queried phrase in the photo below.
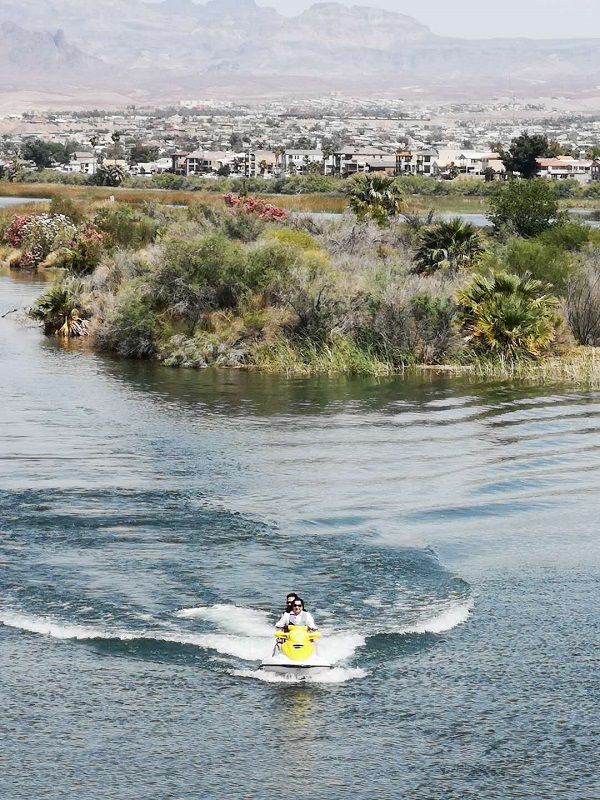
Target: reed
(342, 356)
(577, 367)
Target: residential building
(259, 163)
(85, 163)
(565, 168)
(352, 160)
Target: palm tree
(116, 138)
(375, 196)
(507, 315)
(450, 245)
(59, 310)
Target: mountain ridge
(225, 46)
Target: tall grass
(578, 367)
(342, 356)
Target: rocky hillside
(236, 47)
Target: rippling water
(444, 534)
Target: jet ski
(295, 653)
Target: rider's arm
(311, 624)
(284, 621)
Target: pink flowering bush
(39, 235)
(257, 207)
(83, 254)
(16, 230)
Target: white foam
(232, 618)
(335, 675)
(58, 630)
(445, 620)
(245, 647)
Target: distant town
(331, 136)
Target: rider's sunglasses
(297, 605)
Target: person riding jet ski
(297, 616)
(289, 600)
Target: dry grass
(577, 367)
(307, 202)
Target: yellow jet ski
(295, 652)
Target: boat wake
(245, 635)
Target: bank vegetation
(239, 282)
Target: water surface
(443, 532)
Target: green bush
(568, 235)
(542, 260)
(68, 208)
(125, 226)
(205, 273)
(237, 224)
(131, 325)
(525, 207)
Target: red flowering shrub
(257, 207)
(85, 251)
(17, 230)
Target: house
(83, 162)
(595, 170)
(259, 163)
(403, 162)
(565, 168)
(178, 162)
(300, 162)
(352, 160)
(465, 163)
(200, 162)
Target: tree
(142, 153)
(236, 142)
(489, 173)
(45, 154)
(449, 245)
(507, 315)
(523, 154)
(374, 196)
(526, 208)
(554, 149)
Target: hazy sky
(484, 18)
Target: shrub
(570, 236)
(38, 236)
(131, 325)
(543, 261)
(507, 315)
(207, 272)
(411, 325)
(243, 226)
(67, 208)
(256, 206)
(299, 239)
(84, 253)
(583, 301)
(525, 207)
(125, 226)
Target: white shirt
(302, 618)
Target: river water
(443, 532)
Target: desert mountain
(174, 47)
